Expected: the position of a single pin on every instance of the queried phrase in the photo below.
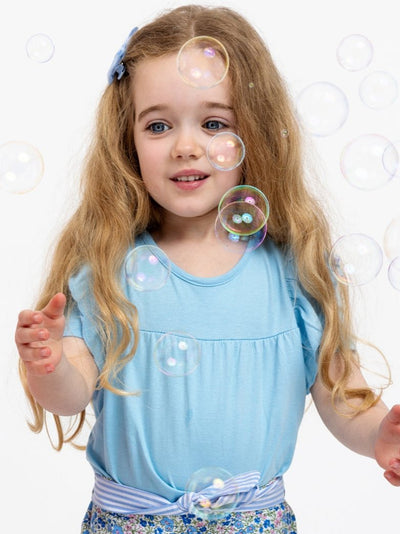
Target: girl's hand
(387, 446)
(39, 336)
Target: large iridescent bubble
(241, 223)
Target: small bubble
(147, 268)
(354, 52)
(175, 356)
(363, 161)
(355, 259)
(40, 48)
(378, 90)
(323, 108)
(203, 62)
(21, 167)
(208, 483)
(225, 151)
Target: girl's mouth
(189, 178)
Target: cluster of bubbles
(324, 107)
(148, 268)
(21, 163)
(368, 162)
(241, 223)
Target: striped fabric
(240, 492)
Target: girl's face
(173, 125)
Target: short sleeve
(310, 321)
(73, 322)
(80, 317)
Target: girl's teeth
(189, 178)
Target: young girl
(269, 325)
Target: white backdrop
(51, 105)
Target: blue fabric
(240, 409)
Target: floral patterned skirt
(275, 520)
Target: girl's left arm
(374, 433)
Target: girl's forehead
(160, 77)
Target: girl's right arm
(60, 371)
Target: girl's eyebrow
(163, 107)
(146, 111)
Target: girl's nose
(187, 146)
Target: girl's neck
(194, 247)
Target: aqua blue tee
(241, 407)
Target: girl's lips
(189, 179)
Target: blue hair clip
(117, 66)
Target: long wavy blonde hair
(115, 206)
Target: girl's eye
(214, 125)
(158, 127)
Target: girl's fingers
(35, 354)
(29, 318)
(392, 478)
(31, 335)
(39, 368)
(394, 415)
(55, 307)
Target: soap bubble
(394, 273)
(391, 239)
(362, 162)
(243, 209)
(147, 268)
(217, 494)
(40, 48)
(177, 354)
(391, 158)
(355, 259)
(354, 52)
(323, 108)
(242, 218)
(241, 223)
(378, 90)
(21, 167)
(203, 62)
(225, 151)
(239, 243)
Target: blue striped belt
(242, 490)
